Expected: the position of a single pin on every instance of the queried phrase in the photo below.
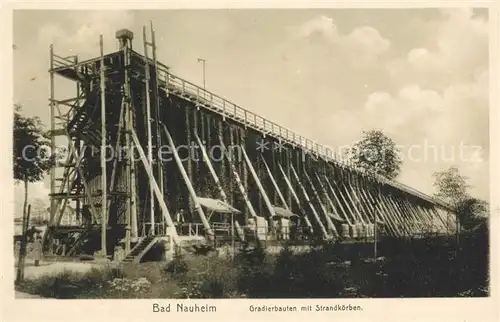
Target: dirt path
(22, 295)
(47, 268)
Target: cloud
(81, 36)
(459, 106)
(368, 40)
(459, 47)
(410, 104)
(322, 25)
(365, 41)
(447, 127)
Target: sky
(420, 75)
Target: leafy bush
(71, 285)
(431, 266)
(178, 267)
(254, 272)
(125, 287)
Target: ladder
(153, 115)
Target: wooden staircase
(81, 123)
(140, 249)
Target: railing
(59, 61)
(190, 229)
(159, 228)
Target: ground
(22, 295)
(49, 267)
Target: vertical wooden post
(52, 136)
(288, 159)
(375, 230)
(231, 149)
(205, 130)
(222, 175)
(244, 165)
(273, 160)
(78, 210)
(197, 168)
(148, 125)
(157, 111)
(104, 132)
(129, 231)
(190, 155)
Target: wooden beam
(217, 181)
(406, 220)
(295, 197)
(187, 181)
(329, 222)
(156, 188)
(344, 212)
(376, 202)
(242, 188)
(396, 215)
(104, 134)
(259, 185)
(275, 185)
(353, 203)
(311, 206)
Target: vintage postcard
(248, 163)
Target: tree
(452, 187)
(38, 211)
(472, 212)
(31, 160)
(377, 152)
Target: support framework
(130, 102)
